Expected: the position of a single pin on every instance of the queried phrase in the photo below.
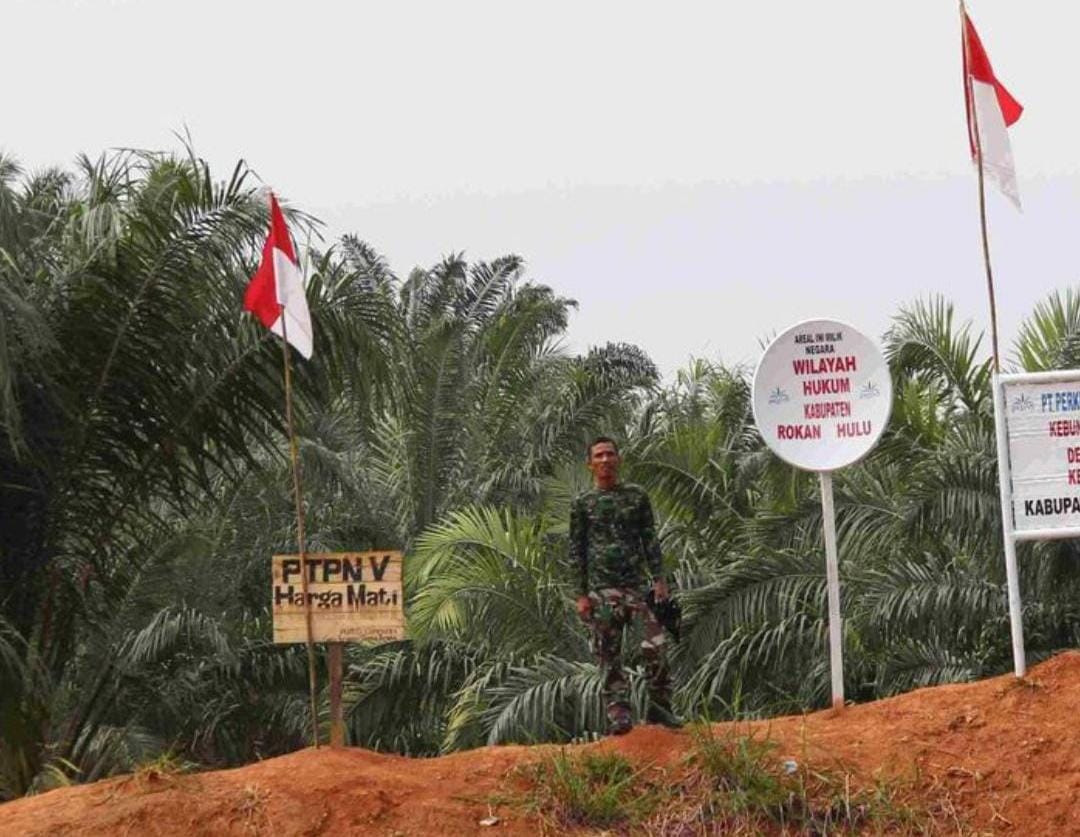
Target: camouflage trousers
(612, 610)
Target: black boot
(660, 712)
(620, 720)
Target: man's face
(604, 463)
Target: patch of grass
(730, 783)
(167, 763)
(736, 766)
(161, 770)
(745, 787)
(57, 773)
(591, 789)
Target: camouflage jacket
(613, 538)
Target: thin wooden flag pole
(298, 494)
(1012, 573)
(973, 121)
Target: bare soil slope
(1005, 753)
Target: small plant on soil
(591, 789)
(250, 810)
(163, 768)
(731, 784)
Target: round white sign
(822, 395)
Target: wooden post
(337, 718)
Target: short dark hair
(596, 441)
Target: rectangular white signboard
(354, 597)
(1043, 422)
(1037, 419)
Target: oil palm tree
(486, 402)
(131, 394)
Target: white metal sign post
(822, 397)
(1037, 418)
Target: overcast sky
(697, 175)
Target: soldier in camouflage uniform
(613, 542)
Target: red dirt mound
(1005, 753)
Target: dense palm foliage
(143, 487)
(141, 450)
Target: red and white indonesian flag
(993, 110)
(275, 293)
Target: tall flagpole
(1012, 573)
(295, 458)
(973, 121)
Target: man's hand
(660, 590)
(584, 607)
